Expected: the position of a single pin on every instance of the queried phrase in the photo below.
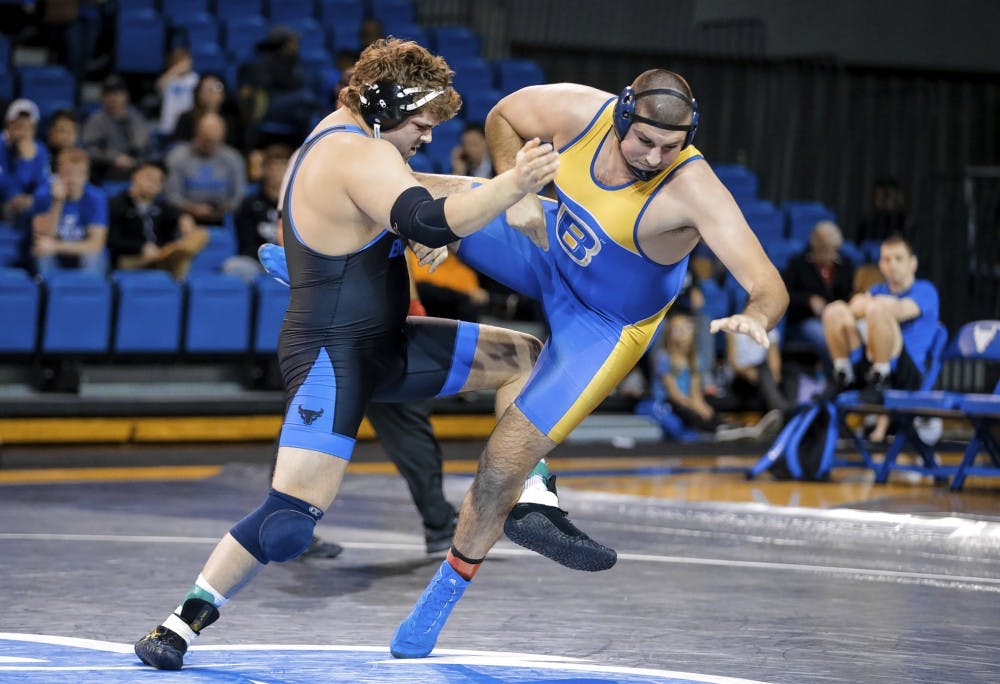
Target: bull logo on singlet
(575, 237)
(309, 416)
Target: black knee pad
(279, 530)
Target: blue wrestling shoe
(272, 258)
(416, 636)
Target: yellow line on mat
(65, 475)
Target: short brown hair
(664, 108)
(71, 156)
(408, 64)
(898, 239)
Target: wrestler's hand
(743, 325)
(535, 166)
(432, 257)
(528, 217)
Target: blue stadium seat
(341, 12)
(782, 251)
(173, 8)
(853, 252)
(10, 245)
(285, 11)
(444, 138)
(149, 313)
(18, 312)
(240, 34)
(422, 163)
(4, 53)
(389, 11)
(50, 87)
(514, 74)
(218, 314)
(345, 37)
(477, 104)
(407, 30)
(272, 300)
(455, 42)
(221, 245)
(767, 222)
(232, 9)
(312, 38)
(803, 215)
(141, 39)
(115, 188)
(739, 180)
(194, 30)
(77, 314)
(208, 58)
(472, 75)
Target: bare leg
(885, 340)
(840, 329)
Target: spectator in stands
(64, 133)
(71, 218)
(24, 161)
(206, 178)
(887, 214)
(117, 135)
(756, 373)
(146, 232)
(900, 317)
(676, 367)
(471, 157)
(210, 95)
(257, 218)
(815, 278)
(176, 87)
(273, 91)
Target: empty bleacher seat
(445, 137)
(18, 311)
(739, 180)
(50, 87)
(477, 104)
(208, 58)
(173, 8)
(767, 222)
(514, 74)
(272, 301)
(10, 245)
(311, 35)
(218, 314)
(194, 30)
(140, 43)
(149, 312)
(221, 245)
(387, 11)
(455, 42)
(240, 34)
(781, 251)
(231, 9)
(803, 215)
(422, 163)
(284, 11)
(472, 75)
(77, 313)
(341, 12)
(407, 30)
(345, 37)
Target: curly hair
(408, 64)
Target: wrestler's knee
(279, 530)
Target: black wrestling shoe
(162, 648)
(321, 549)
(438, 539)
(547, 530)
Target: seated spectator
(206, 178)
(273, 95)
(471, 157)
(71, 219)
(64, 132)
(451, 291)
(210, 95)
(676, 367)
(900, 317)
(146, 232)
(756, 373)
(117, 135)
(176, 87)
(24, 160)
(257, 218)
(815, 278)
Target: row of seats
(139, 312)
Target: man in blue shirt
(899, 319)
(71, 219)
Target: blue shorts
(587, 354)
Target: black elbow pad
(417, 216)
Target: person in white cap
(24, 161)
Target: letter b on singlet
(575, 237)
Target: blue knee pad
(279, 530)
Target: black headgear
(625, 114)
(385, 105)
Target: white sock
(844, 366)
(535, 490)
(882, 369)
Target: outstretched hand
(743, 325)
(431, 257)
(535, 166)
